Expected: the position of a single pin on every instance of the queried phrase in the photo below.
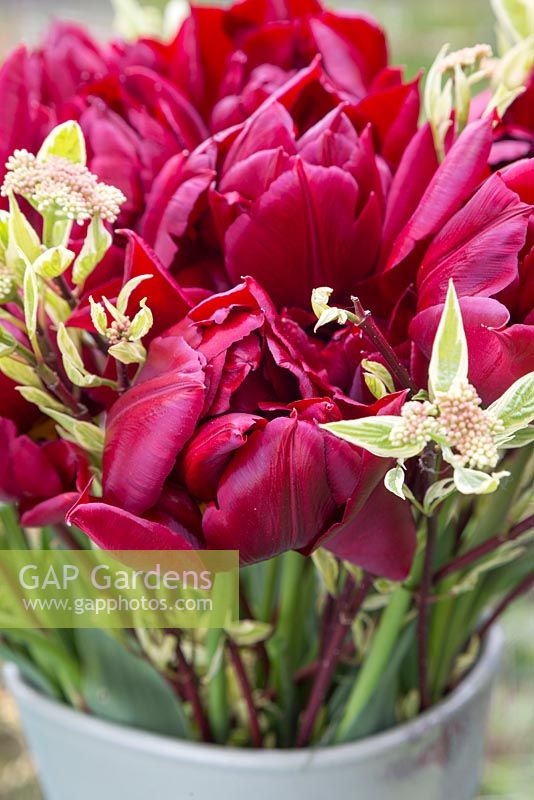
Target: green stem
(383, 644)
(269, 590)
(10, 526)
(282, 645)
(217, 689)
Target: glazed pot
(437, 756)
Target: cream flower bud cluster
(467, 57)
(118, 331)
(455, 417)
(416, 424)
(467, 428)
(61, 186)
(7, 285)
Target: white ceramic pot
(437, 756)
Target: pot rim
(475, 683)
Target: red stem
(377, 338)
(523, 588)
(349, 604)
(484, 549)
(242, 677)
(187, 678)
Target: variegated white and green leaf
(515, 408)
(449, 360)
(373, 434)
(65, 141)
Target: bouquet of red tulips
(249, 301)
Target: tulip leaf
(53, 262)
(123, 687)
(515, 408)
(449, 361)
(472, 481)
(95, 246)
(65, 141)
(373, 434)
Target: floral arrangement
(249, 301)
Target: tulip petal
(148, 426)
(478, 248)
(382, 538)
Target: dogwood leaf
(449, 361)
(373, 434)
(65, 141)
(53, 262)
(394, 481)
(515, 408)
(472, 481)
(95, 246)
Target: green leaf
(380, 372)
(98, 317)
(141, 323)
(520, 438)
(394, 481)
(73, 364)
(31, 301)
(438, 492)
(65, 141)
(126, 291)
(53, 262)
(97, 242)
(124, 688)
(128, 352)
(327, 566)
(42, 399)
(515, 408)
(515, 18)
(19, 372)
(472, 481)
(248, 632)
(373, 434)
(22, 239)
(449, 361)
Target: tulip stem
(246, 690)
(484, 549)
(377, 657)
(367, 324)
(348, 605)
(424, 611)
(217, 689)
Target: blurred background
(417, 29)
